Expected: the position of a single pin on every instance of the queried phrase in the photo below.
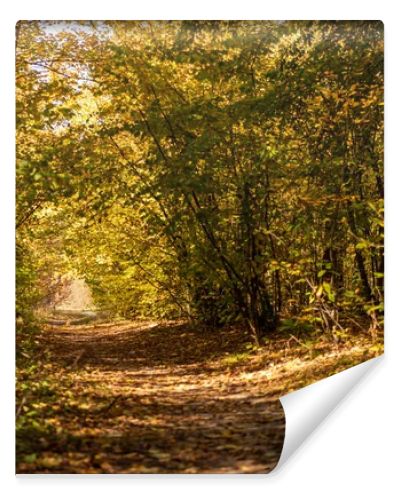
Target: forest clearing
(199, 231)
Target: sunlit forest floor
(163, 397)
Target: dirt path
(162, 398)
(146, 398)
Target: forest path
(155, 398)
(147, 397)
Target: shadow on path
(147, 397)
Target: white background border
(355, 453)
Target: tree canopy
(220, 171)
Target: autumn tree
(219, 171)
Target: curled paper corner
(305, 409)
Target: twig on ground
(78, 358)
